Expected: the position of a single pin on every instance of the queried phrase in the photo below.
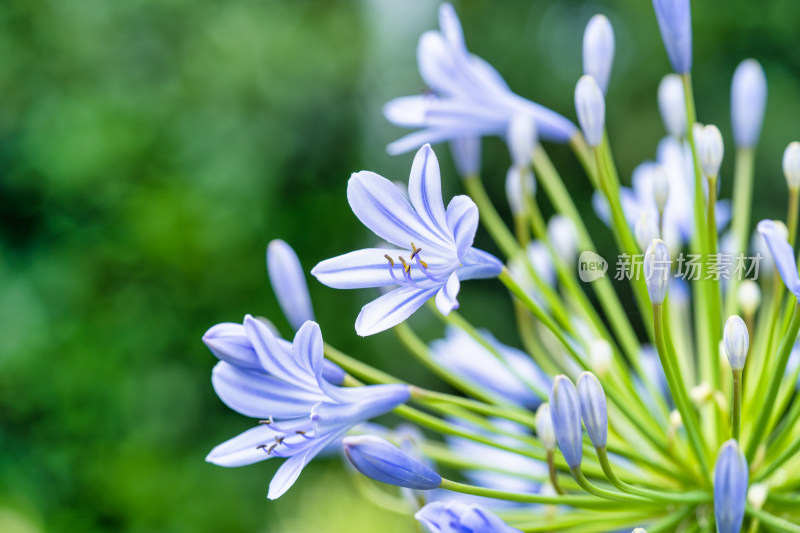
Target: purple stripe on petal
(391, 309)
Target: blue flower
(782, 254)
(565, 412)
(437, 246)
(457, 517)
(289, 283)
(594, 411)
(281, 383)
(730, 488)
(469, 359)
(675, 22)
(470, 99)
(382, 461)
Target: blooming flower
(470, 99)
(508, 378)
(437, 242)
(456, 517)
(268, 378)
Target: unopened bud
(749, 296)
(519, 184)
(748, 100)
(710, 150)
(565, 413)
(672, 105)
(544, 427)
(521, 139)
(660, 186)
(791, 164)
(590, 107)
(736, 341)
(646, 229)
(656, 267)
(594, 410)
(600, 356)
(598, 50)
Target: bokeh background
(150, 149)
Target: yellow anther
(391, 263)
(406, 266)
(423, 263)
(414, 250)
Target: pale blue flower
(594, 411)
(782, 254)
(566, 416)
(469, 359)
(730, 488)
(590, 106)
(289, 283)
(282, 384)
(675, 22)
(457, 517)
(436, 244)
(598, 50)
(382, 461)
(748, 101)
(469, 98)
(656, 269)
(736, 340)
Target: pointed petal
(274, 358)
(431, 135)
(242, 449)
(451, 27)
(408, 111)
(462, 219)
(229, 342)
(357, 270)
(425, 191)
(435, 62)
(260, 395)
(446, 297)
(783, 255)
(290, 470)
(308, 350)
(381, 207)
(479, 265)
(356, 405)
(391, 309)
(289, 283)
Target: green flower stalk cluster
(674, 409)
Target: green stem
(603, 493)
(490, 218)
(773, 522)
(587, 502)
(774, 384)
(551, 465)
(736, 413)
(740, 214)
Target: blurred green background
(149, 150)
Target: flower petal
(308, 350)
(446, 297)
(381, 207)
(274, 358)
(260, 395)
(390, 309)
(425, 191)
(479, 265)
(356, 405)
(290, 470)
(229, 342)
(782, 253)
(289, 283)
(357, 270)
(462, 220)
(242, 449)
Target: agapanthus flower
(508, 378)
(436, 246)
(281, 383)
(782, 254)
(457, 517)
(469, 98)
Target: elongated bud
(736, 341)
(515, 192)
(675, 22)
(646, 229)
(563, 235)
(655, 267)
(565, 412)
(791, 165)
(593, 409)
(730, 488)
(672, 105)
(710, 150)
(466, 155)
(598, 50)
(544, 427)
(591, 109)
(660, 186)
(749, 296)
(776, 236)
(748, 101)
(383, 461)
(289, 283)
(600, 356)
(521, 139)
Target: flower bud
(514, 188)
(544, 427)
(655, 267)
(776, 236)
(710, 150)
(660, 186)
(791, 165)
(593, 409)
(749, 296)
(757, 495)
(600, 356)
(457, 517)
(639, 530)
(466, 155)
(748, 100)
(672, 105)
(591, 109)
(289, 283)
(736, 341)
(675, 22)
(598, 50)
(646, 229)
(563, 236)
(730, 488)
(383, 461)
(521, 139)
(565, 412)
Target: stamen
(406, 266)
(414, 250)
(391, 262)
